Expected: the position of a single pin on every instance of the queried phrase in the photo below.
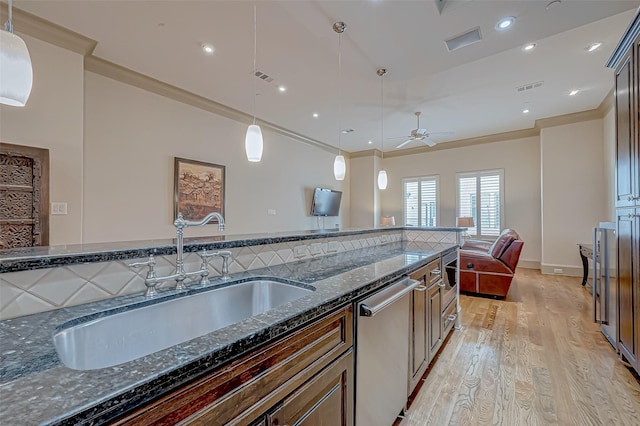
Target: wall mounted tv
(326, 202)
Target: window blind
(421, 201)
(480, 197)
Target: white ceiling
(471, 91)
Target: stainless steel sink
(128, 335)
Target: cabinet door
(419, 333)
(626, 139)
(435, 317)
(627, 291)
(325, 400)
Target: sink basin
(131, 334)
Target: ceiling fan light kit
(422, 135)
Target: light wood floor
(535, 358)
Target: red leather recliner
(488, 268)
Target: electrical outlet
(299, 251)
(58, 208)
(271, 212)
(557, 270)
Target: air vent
(346, 131)
(529, 86)
(263, 76)
(463, 40)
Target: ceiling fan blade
(398, 137)
(429, 142)
(440, 133)
(404, 143)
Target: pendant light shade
(339, 167)
(382, 179)
(253, 143)
(16, 73)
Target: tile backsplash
(38, 290)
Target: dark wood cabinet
(626, 62)
(287, 371)
(325, 400)
(628, 284)
(435, 316)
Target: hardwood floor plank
(535, 358)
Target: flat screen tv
(326, 202)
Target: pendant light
(16, 73)
(339, 165)
(382, 174)
(253, 140)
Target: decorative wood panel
(24, 196)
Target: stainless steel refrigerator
(605, 309)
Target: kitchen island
(36, 388)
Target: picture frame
(199, 189)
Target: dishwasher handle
(376, 303)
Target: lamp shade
(253, 143)
(465, 222)
(388, 220)
(382, 179)
(16, 74)
(339, 167)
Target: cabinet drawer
(241, 391)
(432, 272)
(449, 316)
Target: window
(421, 201)
(480, 196)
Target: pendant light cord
(382, 114)
(255, 42)
(339, 93)
(8, 26)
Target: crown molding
(34, 26)
(367, 153)
(498, 137)
(575, 117)
(607, 103)
(144, 82)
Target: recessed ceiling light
(593, 46)
(208, 49)
(528, 47)
(573, 92)
(282, 88)
(525, 111)
(370, 142)
(505, 23)
(315, 115)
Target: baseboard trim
(529, 264)
(567, 270)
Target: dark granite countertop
(12, 260)
(36, 388)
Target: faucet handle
(225, 255)
(151, 263)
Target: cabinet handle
(435, 272)
(421, 288)
(452, 317)
(441, 284)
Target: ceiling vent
(263, 76)
(529, 86)
(463, 40)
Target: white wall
(53, 119)
(573, 191)
(520, 160)
(131, 139)
(362, 174)
(609, 128)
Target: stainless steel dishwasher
(382, 354)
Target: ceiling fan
(422, 135)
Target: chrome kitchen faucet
(152, 280)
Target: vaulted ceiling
(470, 92)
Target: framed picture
(198, 189)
